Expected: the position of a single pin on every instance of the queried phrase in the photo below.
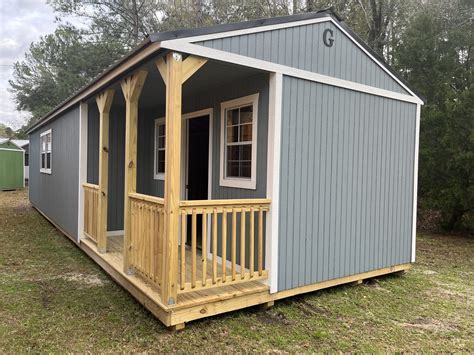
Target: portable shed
(223, 167)
(24, 144)
(12, 158)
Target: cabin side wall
(346, 184)
(56, 194)
(116, 159)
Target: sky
(21, 22)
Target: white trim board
(283, 69)
(13, 150)
(83, 122)
(251, 30)
(415, 182)
(234, 33)
(273, 178)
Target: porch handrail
(228, 202)
(90, 186)
(146, 198)
(91, 208)
(146, 236)
(221, 214)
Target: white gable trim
(283, 69)
(289, 25)
(251, 30)
(20, 149)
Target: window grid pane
(239, 130)
(160, 144)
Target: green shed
(12, 159)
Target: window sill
(160, 177)
(45, 171)
(238, 183)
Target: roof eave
(73, 99)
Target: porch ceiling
(213, 74)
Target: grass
(54, 298)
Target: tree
(56, 66)
(435, 56)
(6, 132)
(126, 22)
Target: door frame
(184, 153)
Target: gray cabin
(218, 168)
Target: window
(239, 142)
(46, 144)
(160, 137)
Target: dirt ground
(54, 298)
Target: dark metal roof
(192, 32)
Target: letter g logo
(328, 38)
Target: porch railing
(146, 236)
(91, 209)
(230, 224)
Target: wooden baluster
(154, 255)
(204, 247)
(260, 241)
(133, 224)
(193, 249)
(224, 245)
(146, 235)
(183, 248)
(138, 239)
(242, 243)
(252, 242)
(234, 242)
(159, 254)
(214, 246)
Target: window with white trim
(46, 149)
(239, 142)
(159, 155)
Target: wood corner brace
(132, 86)
(190, 66)
(104, 100)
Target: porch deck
(115, 247)
(190, 305)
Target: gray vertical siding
(146, 182)
(302, 47)
(116, 159)
(346, 184)
(208, 99)
(249, 86)
(56, 194)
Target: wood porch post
(174, 72)
(132, 88)
(104, 103)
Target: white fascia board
(13, 150)
(251, 30)
(224, 56)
